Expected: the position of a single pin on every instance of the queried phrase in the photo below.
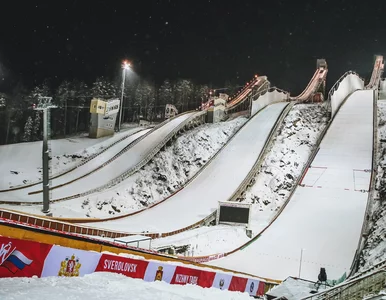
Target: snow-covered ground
(281, 167)
(103, 285)
(22, 163)
(375, 248)
(206, 240)
(168, 171)
(284, 162)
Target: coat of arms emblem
(70, 266)
(159, 274)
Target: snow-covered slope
(103, 177)
(22, 163)
(323, 220)
(168, 171)
(282, 165)
(284, 162)
(375, 248)
(217, 182)
(103, 286)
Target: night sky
(206, 41)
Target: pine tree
(63, 96)
(103, 88)
(28, 130)
(82, 95)
(36, 132)
(183, 93)
(2, 100)
(165, 93)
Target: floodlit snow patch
(205, 240)
(106, 286)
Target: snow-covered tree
(165, 93)
(28, 130)
(103, 88)
(183, 93)
(42, 90)
(82, 95)
(64, 96)
(2, 100)
(36, 131)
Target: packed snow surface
(205, 240)
(104, 286)
(324, 218)
(375, 247)
(113, 170)
(282, 165)
(217, 181)
(168, 171)
(22, 163)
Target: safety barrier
(43, 260)
(24, 231)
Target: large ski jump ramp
(109, 172)
(217, 182)
(325, 216)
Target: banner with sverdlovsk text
(22, 258)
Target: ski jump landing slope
(102, 176)
(324, 217)
(217, 182)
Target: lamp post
(45, 105)
(125, 66)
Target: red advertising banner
(123, 265)
(20, 258)
(261, 289)
(238, 284)
(184, 275)
(206, 279)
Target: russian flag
(16, 261)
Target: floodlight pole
(123, 91)
(45, 105)
(46, 183)
(300, 263)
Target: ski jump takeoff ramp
(217, 182)
(321, 225)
